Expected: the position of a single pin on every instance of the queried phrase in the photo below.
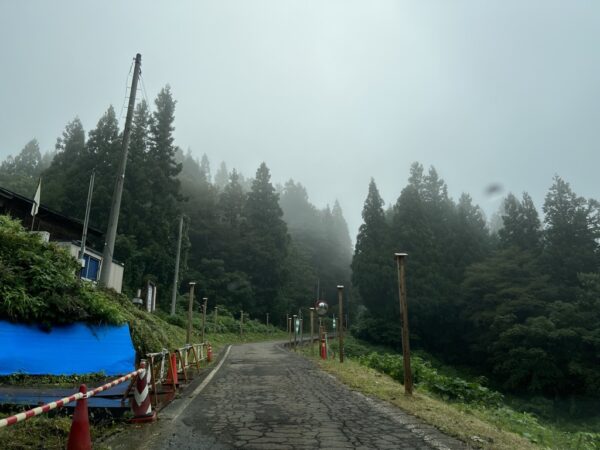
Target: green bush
(425, 376)
(38, 283)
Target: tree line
(244, 241)
(521, 304)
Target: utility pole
(204, 317)
(176, 275)
(400, 261)
(86, 221)
(341, 320)
(113, 220)
(190, 310)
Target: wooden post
(400, 261)
(204, 317)
(190, 310)
(312, 331)
(215, 324)
(241, 323)
(341, 321)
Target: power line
(144, 89)
(126, 89)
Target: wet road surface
(265, 397)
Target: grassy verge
(482, 424)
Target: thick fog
(328, 93)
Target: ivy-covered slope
(38, 285)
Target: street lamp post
(341, 320)
(312, 331)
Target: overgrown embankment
(38, 285)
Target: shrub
(444, 386)
(38, 283)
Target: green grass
(461, 408)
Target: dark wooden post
(400, 261)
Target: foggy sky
(328, 93)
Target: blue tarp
(65, 350)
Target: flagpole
(36, 202)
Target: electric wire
(126, 89)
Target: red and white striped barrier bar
(63, 401)
(39, 410)
(112, 384)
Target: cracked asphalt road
(265, 397)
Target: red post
(209, 353)
(79, 436)
(172, 377)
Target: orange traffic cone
(141, 405)
(79, 436)
(172, 378)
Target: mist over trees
(244, 242)
(522, 306)
(520, 303)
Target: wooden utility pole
(400, 261)
(190, 311)
(113, 219)
(204, 318)
(341, 320)
(176, 274)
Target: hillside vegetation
(40, 286)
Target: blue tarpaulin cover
(65, 350)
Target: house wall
(115, 279)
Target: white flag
(36, 199)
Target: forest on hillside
(249, 245)
(519, 303)
(521, 306)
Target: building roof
(26, 203)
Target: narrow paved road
(264, 397)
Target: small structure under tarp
(74, 349)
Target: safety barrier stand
(79, 436)
(180, 352)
